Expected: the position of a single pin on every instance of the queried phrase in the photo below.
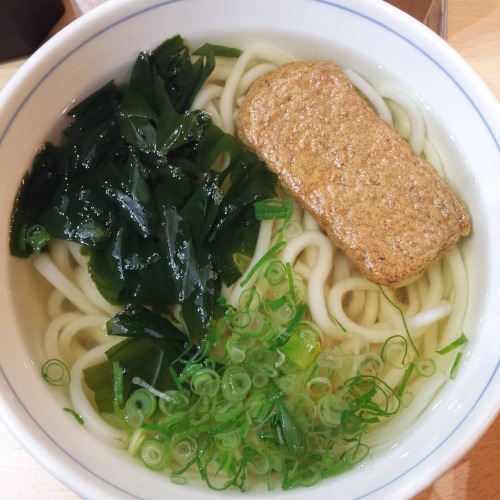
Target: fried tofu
(384, 206)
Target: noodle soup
(304, 367)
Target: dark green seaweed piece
(132, 181)
(150, 353)
(208, 49)
(182, 77)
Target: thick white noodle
(46, 267)
(55, 303)
(222, 70)
(453, 327)
(310, 224)
(424, 390)
(251, 75)
(414, 302)
(75, 251)
(371, 95)
(432, 156)
(262, 246)
(214, 114)
(318, 277)
(229, 95)
(59, 251)
(94, 331)
(51, 337)
(381, 331)
(88, 287)
(208, 93)
(417, 127)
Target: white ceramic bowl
(367, 35)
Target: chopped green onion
(184, 450)
(319, 385)
(210, 49)
(141, 400)
(240, 320)
(406, 398)
(229, 411)
(249, 299)
(117, 384)
(139, 381)
(274, 305)
(330, 408)
(260, 359)
(136, 440)
(260, 380)
(289, 384)
(134, 418)
(237, 355)
(425, 367)
(176, 478)
(340, 325)
(350, 422)
(401, 313)
(330, 358)
(236, 383)
(152, 454)
(371, 365)
(289, 273)
(56, 373)
(275, 272)
(292, 434)
(229, 440)
(177, 406)
(302, 348)
(455, 365)
(304, 409)
(250, 324)
(284, 313)
(78, 417)
(259, 463)
(269, 254)
(454, 345)
(406, 379)
(356, 453)
(291, 229)
(299, 315)
(258, 408)
(273, 209)
(205, 382)
(199, 416)
(395, 344)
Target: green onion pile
(262, 398)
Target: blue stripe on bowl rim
(329, 3)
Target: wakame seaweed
(132, 181)
(152, 352)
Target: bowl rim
(98, 16)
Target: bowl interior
(370, 37)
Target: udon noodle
(352, 315)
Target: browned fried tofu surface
(385, 207)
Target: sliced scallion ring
(152, 454)
(56, 373)
(141, 400)
(236, 383)
(275, 272)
